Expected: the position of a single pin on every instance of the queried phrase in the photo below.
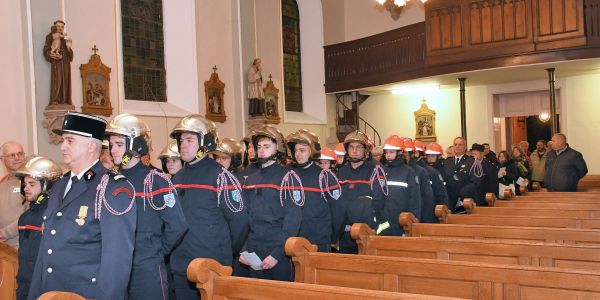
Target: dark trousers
(184, 289)
(148, 281)
(283, 271)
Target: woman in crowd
(522, 167)
(507, 173)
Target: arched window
(292, 73)
(144, 72)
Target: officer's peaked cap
(83, 125)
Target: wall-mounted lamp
(544, 117)
(416, 89)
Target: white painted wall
(16, 84)
(394, 114)
(583, 123)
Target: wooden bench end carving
(57, 295)
(490, 199)
(297, 246)
(442, 212)
(469, 205)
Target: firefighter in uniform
(321, 189)
(427, 197)
(327, 159)
(358, 177)
(89, 225)
(486, 171)
(170, 159)
(405, 193)
(433, 154)
(440, 195)
(229, 154)
(37, 177)
(461, 183)
(275, 198)
(160, 220)
(212, 203)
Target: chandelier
(394, 6)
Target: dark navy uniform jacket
(404, 196)
(460, 182)
(440, 194)
(272, 219)
(152, 242)
(488, 182)
(30, 235)
(81, 253)
(356, 183)
(427, 198)
(217, 227)
(316, 224)
(158, 230)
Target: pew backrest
(488, 251)
(215, 283)
(442, 278)
(505, 233)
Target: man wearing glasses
(11, 202)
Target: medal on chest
(83, 210)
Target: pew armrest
(441, 213)
(508, 194)
(469, 205)
(523, 190)
(406, 220)
(58, 295)
(490, 199)
(361, 232)
(297, 246)
(536, 186)
(203, 272)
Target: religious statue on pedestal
(58, 51)
(256, 95)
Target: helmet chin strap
(264, 160)
(307, 163)
(355, 160)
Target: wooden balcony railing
(466, 35)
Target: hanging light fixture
(544, 117)
(394, 6)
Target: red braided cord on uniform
(324, 184)
(148, 193)
(288, 186)
(378, 172)
(223, 185)
(101, 198)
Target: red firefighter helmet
(434, 148)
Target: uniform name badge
(83, 210)
(237, 197)
(169, 200)
(336, 194)
(297, 196)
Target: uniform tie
(73, 181)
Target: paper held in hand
(253, 259)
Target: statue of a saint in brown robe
(60, 61)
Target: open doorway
(528, 128)
(523, 117)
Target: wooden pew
(486, 251)
(9, 265)
(215, 282)
(57, 295)
(445, 217)
(540, 204)
(537, 212)
(442, 278)
(413, 228)
(549, 197)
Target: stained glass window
(292, 73)
(143, 50)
